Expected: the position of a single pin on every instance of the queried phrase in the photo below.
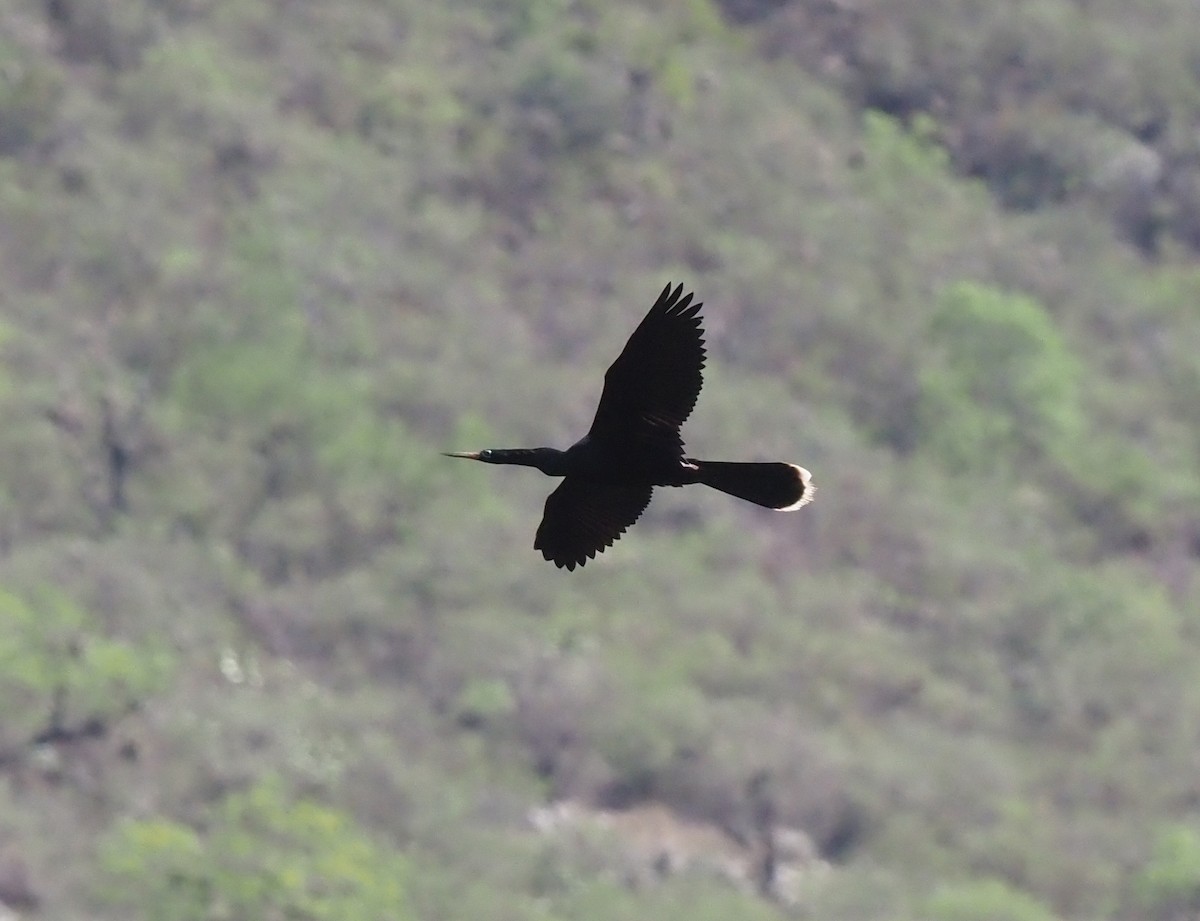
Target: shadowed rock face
(647, 843)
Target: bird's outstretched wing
(652, 386)
(582, 518)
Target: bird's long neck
(550, 461)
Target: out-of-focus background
(264, 654)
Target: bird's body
(634, 443)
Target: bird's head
(485, 455)
(548, 460)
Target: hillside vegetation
(265, 654)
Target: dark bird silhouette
(634, 443)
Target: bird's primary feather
(653, 385)
(582, 518)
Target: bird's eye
(485, 454)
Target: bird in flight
(634, 443)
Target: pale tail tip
(807, 489)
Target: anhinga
(634, 443)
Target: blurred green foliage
(263, 653)
(264, 855)
(1000, 385)
(56, 666)
(986, 900)
(1168, 886)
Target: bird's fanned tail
(772, 485)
